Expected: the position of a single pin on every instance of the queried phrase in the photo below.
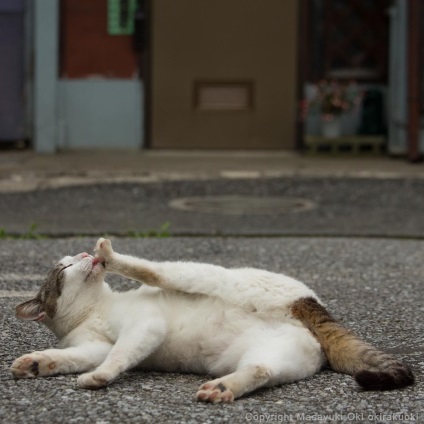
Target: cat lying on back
(247, 327)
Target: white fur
(231, 323)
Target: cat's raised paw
(103, 248)
(94, 380)
(32, 365)
(213, 392)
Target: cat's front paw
(103, 250)
(94, 380)
(214, 392)
(32, 365)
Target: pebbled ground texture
(375, 286)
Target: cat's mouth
(97, 268)
(96, 261)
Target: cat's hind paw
(103, 249)
(214, 392)
(94, 380)
(32, 365)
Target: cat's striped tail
(347, 353)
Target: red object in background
(87, 50)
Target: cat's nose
(85, 255)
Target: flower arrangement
(332, 98)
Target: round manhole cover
(242, 205)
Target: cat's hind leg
(128, 266)
(232, 386)
(274, 356)
(254, 290)
(186, 277)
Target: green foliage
(31, 234)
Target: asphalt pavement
(239, 207)
(357, 240)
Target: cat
(248, 328)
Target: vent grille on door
(223, 95)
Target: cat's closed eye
(62, 269)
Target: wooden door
(223, 74)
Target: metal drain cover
(242, 204)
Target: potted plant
(331, 99)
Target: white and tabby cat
(247, 327)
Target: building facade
(195, 74)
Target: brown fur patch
(51, 290)
(137, 273)
(347, 353)
(46, 298)
(333, 337)
(148, 277)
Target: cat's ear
(31, 310)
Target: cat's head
(69, 288)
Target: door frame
(145, 59)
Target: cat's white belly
(198, 333)
(211, 337)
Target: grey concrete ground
(374, 286)
(25, 170)
(367, 265)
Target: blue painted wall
(100, 114)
